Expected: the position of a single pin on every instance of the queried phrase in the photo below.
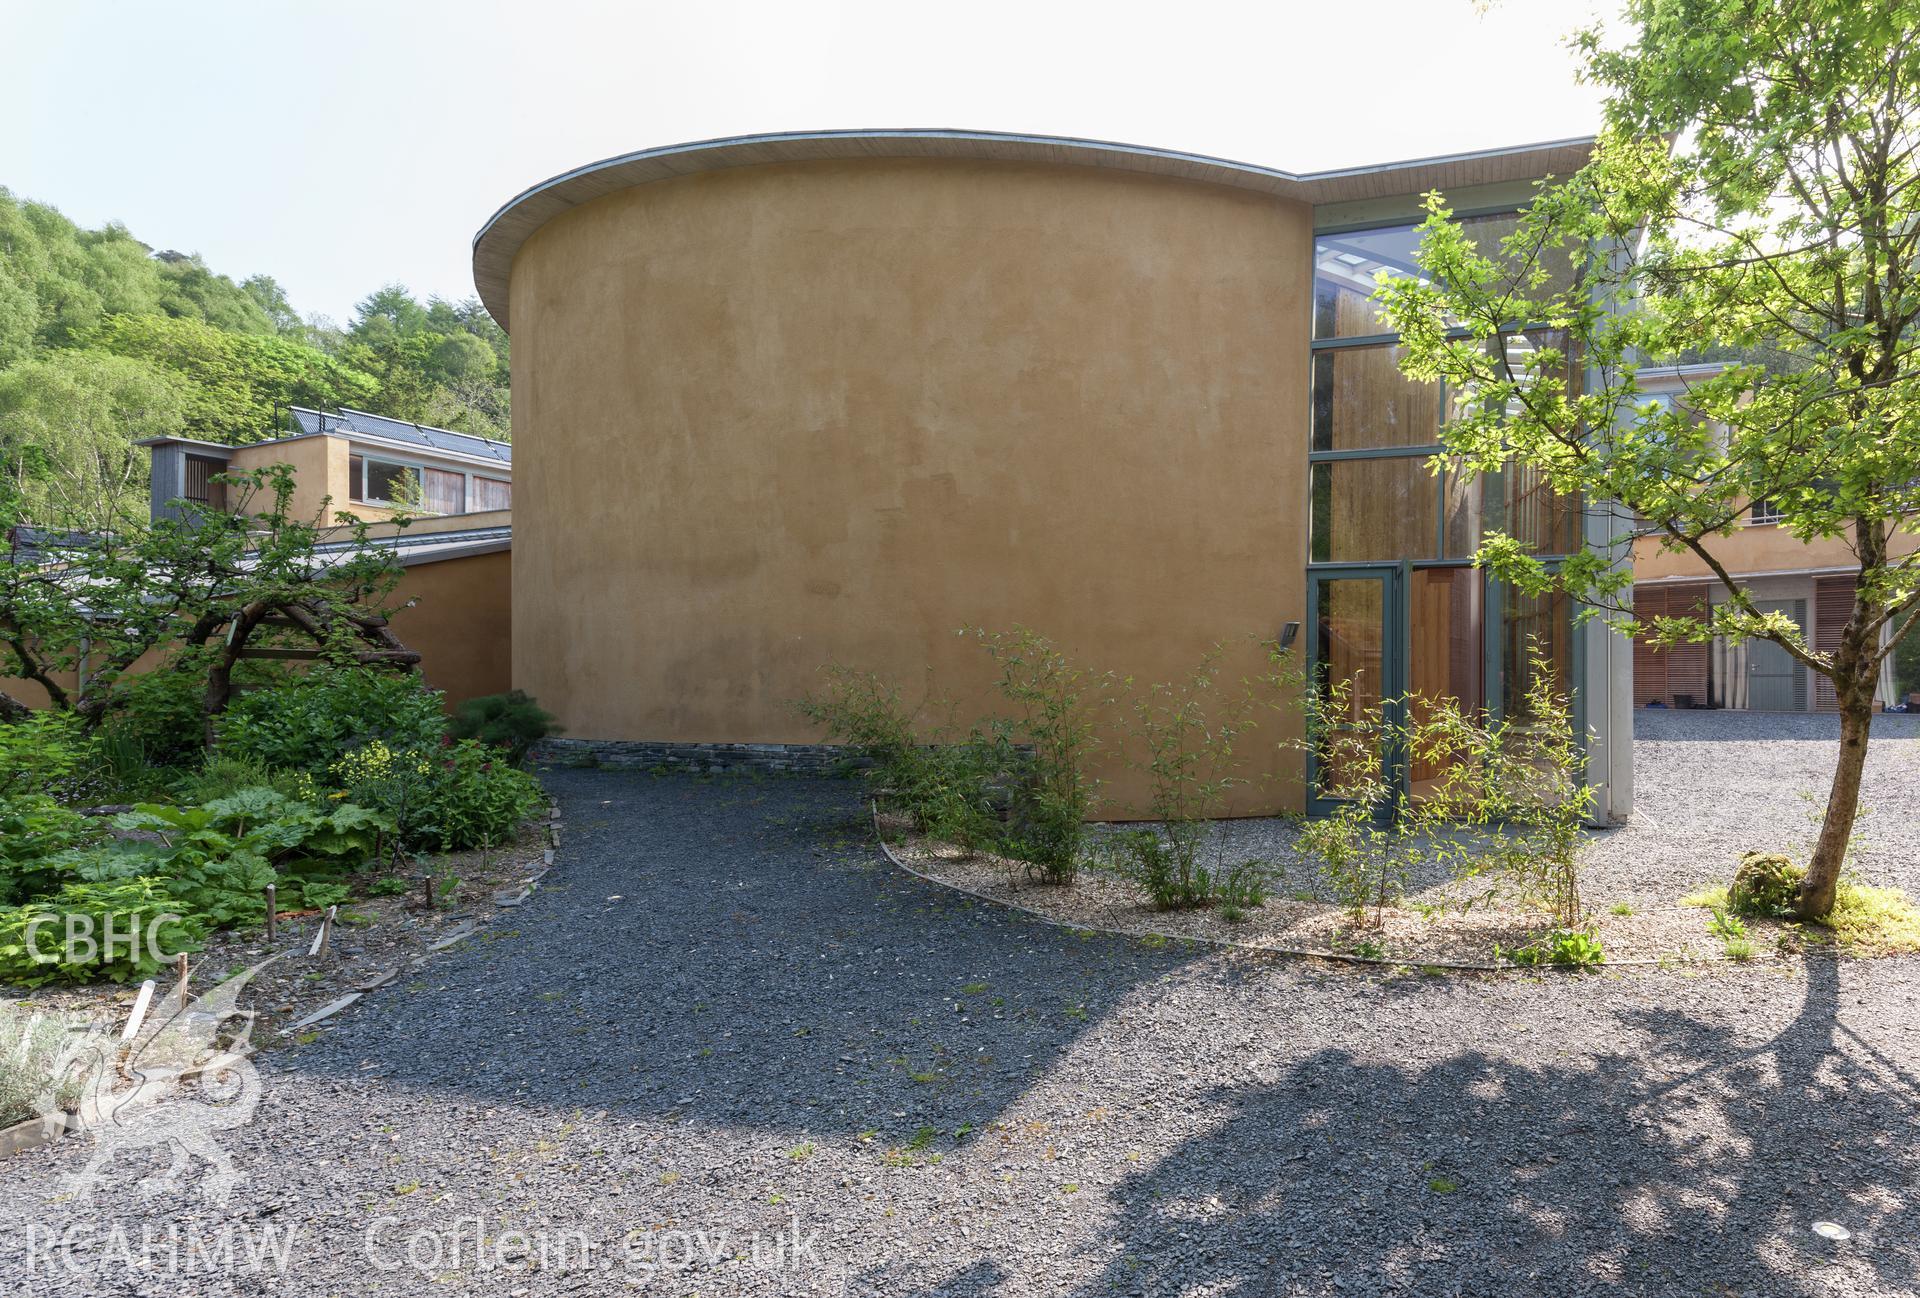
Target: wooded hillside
(104, 340)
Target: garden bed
(375, 941)
(1476, 939)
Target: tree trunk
(1843, 802)
(220, 673)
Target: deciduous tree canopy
(1755, 194)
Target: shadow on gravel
(737, 952)
(1656, 1173)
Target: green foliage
(322, 895)
(108, 910)
(1731, 930)
(510, 721)
(160, 713)
(1766, 883)
(1520, 782)
(1755, 188)
(223, 775)
(234, 385)
(458, 796)
(1187, 732)
(1055, 703)
(952, 790)
(957, 792)
(34, 832)
(317, 718)
(45, 753)
(1569, 947)
(1367, 847)
(1363, 861)
(476, 799)
(866, 713)
(68, 422)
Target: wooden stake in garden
(325, 935)
(273, 911)
(139, 1015)
(181, 967)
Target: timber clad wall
(1832, 606)
(1664, 675)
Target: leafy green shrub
(1766, 883)
(322, 895)
(1055, 702)
(957, 792)
(309, 723)
(160, 714)
(116, 921)
(1175, 881)
(1366, 848)
(953, 791)
(224, 775)
(1187, 732)
(34, 832)
(459, 796)
(44, 755)
(865, 712)
(512, 721)
(475, 798)
(1520, 781)
(1569, 947)
(1363, 861)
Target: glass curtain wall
(1381, 490)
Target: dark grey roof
(25, 544)
(348, 420)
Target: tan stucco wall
(461, 623)
(780, 416)
(1752, 550)
(322, 482)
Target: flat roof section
(507, 229)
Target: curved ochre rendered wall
(778, 416)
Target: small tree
(1056, 702)
(1186, 733)
(92, 603)
(1782, 222)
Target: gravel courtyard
(722, 1020)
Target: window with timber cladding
(1832, 606)
(1669, 675)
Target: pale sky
(344, 144)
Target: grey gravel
(699, 1017)
(1708, 786)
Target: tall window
(1382, 490)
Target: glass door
(1358, 662)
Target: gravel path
(1709, 786)
(722, 1016)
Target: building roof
(347, 421)
(428, 547)
(507, 229)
